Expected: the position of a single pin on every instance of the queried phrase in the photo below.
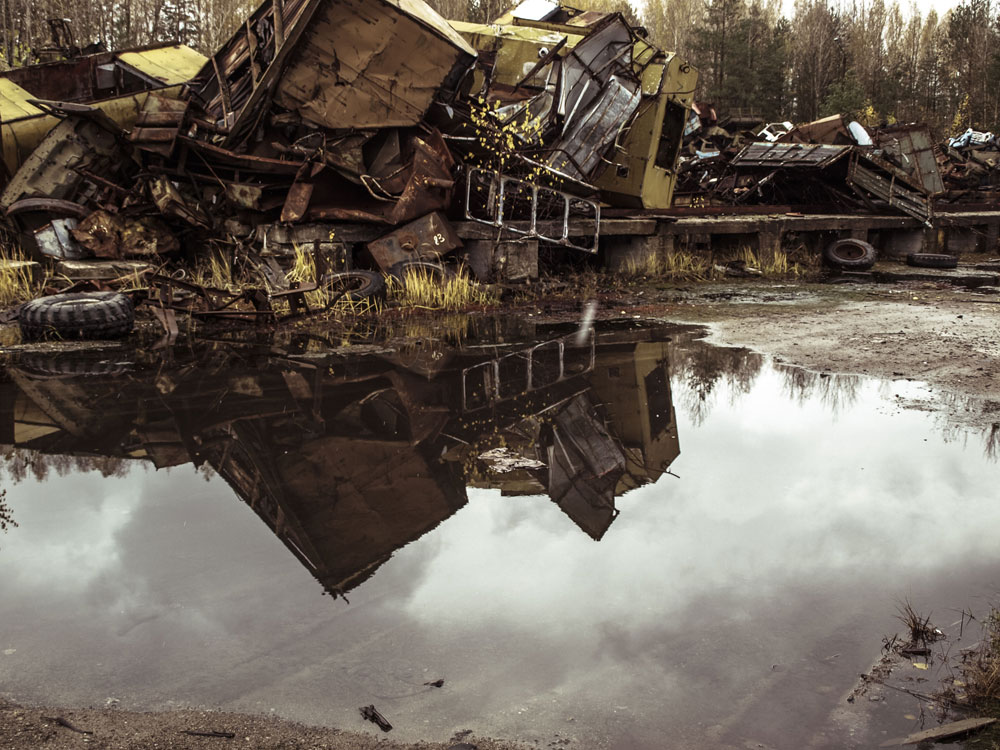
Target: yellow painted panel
(14, 102)
(172, 65)
(21, 137)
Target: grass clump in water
(981, 668)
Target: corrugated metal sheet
(889, 188)
(789, 155)
(172, 65)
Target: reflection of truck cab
(642, 168)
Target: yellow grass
(769, 263)
(422, 288)
(215, 272)
(677, 266)
(16, 283)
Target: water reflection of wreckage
(333, 125)
(347, 460)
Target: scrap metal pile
(969, 164)
(833, 163)
(359, 130)
(823, 164)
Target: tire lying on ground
(850, 255)
(932, 260)
(357, 285)
(81, 315)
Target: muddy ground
(945, 336)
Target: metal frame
(493, 367)
(497, 184)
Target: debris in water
(371, 713)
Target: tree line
(873, 59)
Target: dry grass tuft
(676, 266)
(770, 263)
(423, 288)
(16, 281)
(215, 272)
(981, 668)
(920, 628)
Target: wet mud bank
(945, 337)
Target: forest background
(877, 61)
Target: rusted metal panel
(365, 63)
(912, 145)
(829, 130)
(426, 238)
(889, 188)
(56, 240)
(85, 142)
(158, 124)
(237, 80)
(582, 147)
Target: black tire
(359, 285)
(81, 315)
(850, 254)
(434, 269)
(932, 260)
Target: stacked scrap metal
(969, 163)
(828, 163)
(321, 116)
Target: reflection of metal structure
(519, 373)
(347, 460)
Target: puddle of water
(519, 520)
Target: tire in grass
(850, 254)
(932, 260)
(357, 285)
(80, 315)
